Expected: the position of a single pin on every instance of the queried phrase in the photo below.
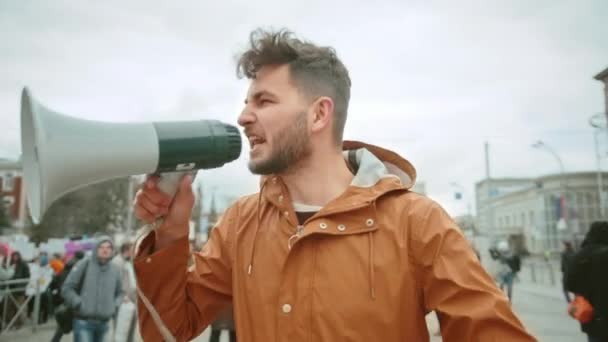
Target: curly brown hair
(315, 70)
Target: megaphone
(61, 153)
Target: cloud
(435, 78)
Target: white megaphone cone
(62, 153)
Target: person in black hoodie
(587, 276)
(566, 257)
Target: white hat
(503, 246)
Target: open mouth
(255, 141)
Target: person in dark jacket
(100, 295)
(55, 288)
(21, 272)
(510, 264)
(566, 257)
(224, 321)
(587, 277)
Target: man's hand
(151, 204)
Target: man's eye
(265, 101)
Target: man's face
(104, 251)
(127, 254)
(15, 257)
(275, 119)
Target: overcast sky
(432, 80)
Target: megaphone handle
(169, 181)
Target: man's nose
(247, 117)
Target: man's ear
(323, 113)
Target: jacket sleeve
(468, 303)
(68, 289)
(186, 299)
(119, 292)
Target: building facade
(12, 192)
(536, 215)
(489, 189)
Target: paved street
(544, 314)
(45, 334)
(541, 308)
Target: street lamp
(541, 145)
(561, 224)
(598, 121)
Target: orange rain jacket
(367, 267)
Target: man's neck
(319, 179)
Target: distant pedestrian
(55, 288)
(510, 264)
(6, 272)
(566, 257)
(21, 272)
(224, 321)
(587, 277)
(126, 318)
(41, 276)
(100, 295)
(57, 263)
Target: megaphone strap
(162, 328)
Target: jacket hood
(375, 163)
(101, 240)
(597, 235)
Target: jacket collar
(379, 171)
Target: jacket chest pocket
(352, 277)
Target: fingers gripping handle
(169, 181)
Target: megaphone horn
(62, 153)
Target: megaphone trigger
(169, 181)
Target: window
(8, 182)
(523, 219)
(580, 199)
(531, 218)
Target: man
(57, 263)
(587, 277)
(334, 247)
(100, 295)
(566, 259)
(41, 275)
(56, 284)
(125, 322)
(510, 264)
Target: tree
(95, 209)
